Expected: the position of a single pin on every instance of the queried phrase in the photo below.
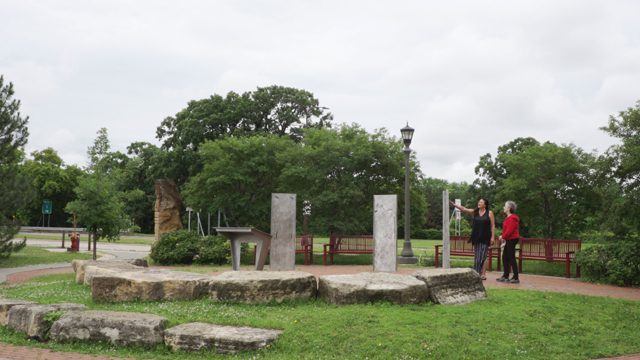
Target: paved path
(529, 282)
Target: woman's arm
(461, 208)
(493, 226)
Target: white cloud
(469, 76)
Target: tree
(272, 110)
(238, 178)
(14, 188)
(51, 180)
(100, 204)
(492, 172)
(552, 186)
(340, 170)
(620, 173)
(432, 189)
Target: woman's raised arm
(461, 208)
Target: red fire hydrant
(75, 243)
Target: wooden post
(63, 239)
(95, 237)
(89, 239)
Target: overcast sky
(469, 76)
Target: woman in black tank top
(482, 233)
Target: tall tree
(14, 188)
(238, 178)
(339, 170)
(272, 110)
(100, 204)
(621, 173)
(491, 172)
(52, 180)
(552, 186)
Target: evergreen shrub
(617, 262)
(183, 247)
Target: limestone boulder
(30, 318)
(452, 286)
(154, 285)
(116, 327)
(6, 305)
(167, 211)
(225, 339)
(254, 287)
(79, 267)
(372, 287)
(107, 268)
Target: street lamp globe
(407, 134)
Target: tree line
(230, 153)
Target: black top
(481, 232)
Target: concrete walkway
(115, 250)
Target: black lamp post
(407, 253)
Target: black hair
(486, 207)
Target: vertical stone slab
(385, 233)
(446, 259)
(283, 229)
(167, 211)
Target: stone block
(452, 286)
(154, 285)
(79, 267)
(372, 287)
(29, 319)
(385, 233)
(226, 339)
(254, 287)
(105, 269)
(6, 305)
(167, 210)
(116, 327)
(283, 229)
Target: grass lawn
(509, 324)
(34, 255)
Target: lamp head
(407, 134)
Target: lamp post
(406, 256)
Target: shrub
(617, 262)
(185, 247)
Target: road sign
(46, 206)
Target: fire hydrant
(75, 243)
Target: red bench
(459, 246)
(304, 245)
(551, 250)
(348, 244)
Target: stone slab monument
(283, 230)
(385, 233)
(168, 204)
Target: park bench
(551, 250)
(304, 245)
(348, 244)
(459, 246)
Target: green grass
(34, 255)
(509, 324)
